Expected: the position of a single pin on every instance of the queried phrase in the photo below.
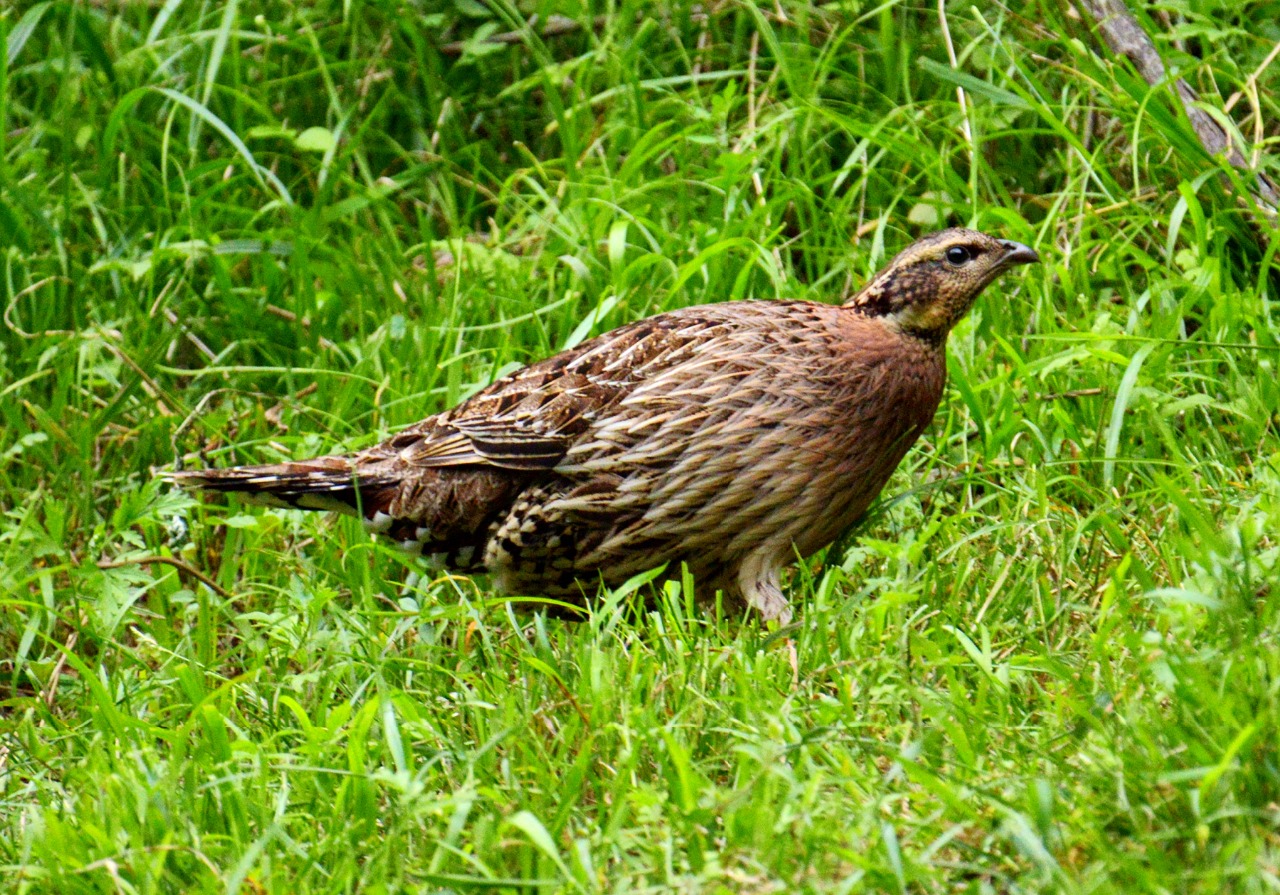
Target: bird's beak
(1017, 253)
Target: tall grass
(239, 232)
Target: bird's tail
(325, 483)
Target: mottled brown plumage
(729, 437)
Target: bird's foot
(767, 598)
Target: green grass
(1049, 661)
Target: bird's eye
(958, 255)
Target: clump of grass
(1047, 661)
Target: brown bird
(731, 438)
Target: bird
(729, 439)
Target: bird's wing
(530, 419)
(528, 422)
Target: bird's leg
(761, 584)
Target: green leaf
(1124, 395)
(13, 232)
(973, 86)
(315, 139)
(528, 823)
(22, 31)
(263, 176)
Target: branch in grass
(556, 25)
(1126, 37)
(168, 561)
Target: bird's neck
(909, 302)
(880, 297)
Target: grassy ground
(1048, 662)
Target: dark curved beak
(1017, 253)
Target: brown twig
(1251, 82)
(556, 26)
(305, 323)
(168, 561)
(1126, 37)
(1074, 393)
(966, 127)
(51, 688)
(152, 388)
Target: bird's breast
(880, 404)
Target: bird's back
(770, 428)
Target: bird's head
(933, 282)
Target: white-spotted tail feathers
(325, 483)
